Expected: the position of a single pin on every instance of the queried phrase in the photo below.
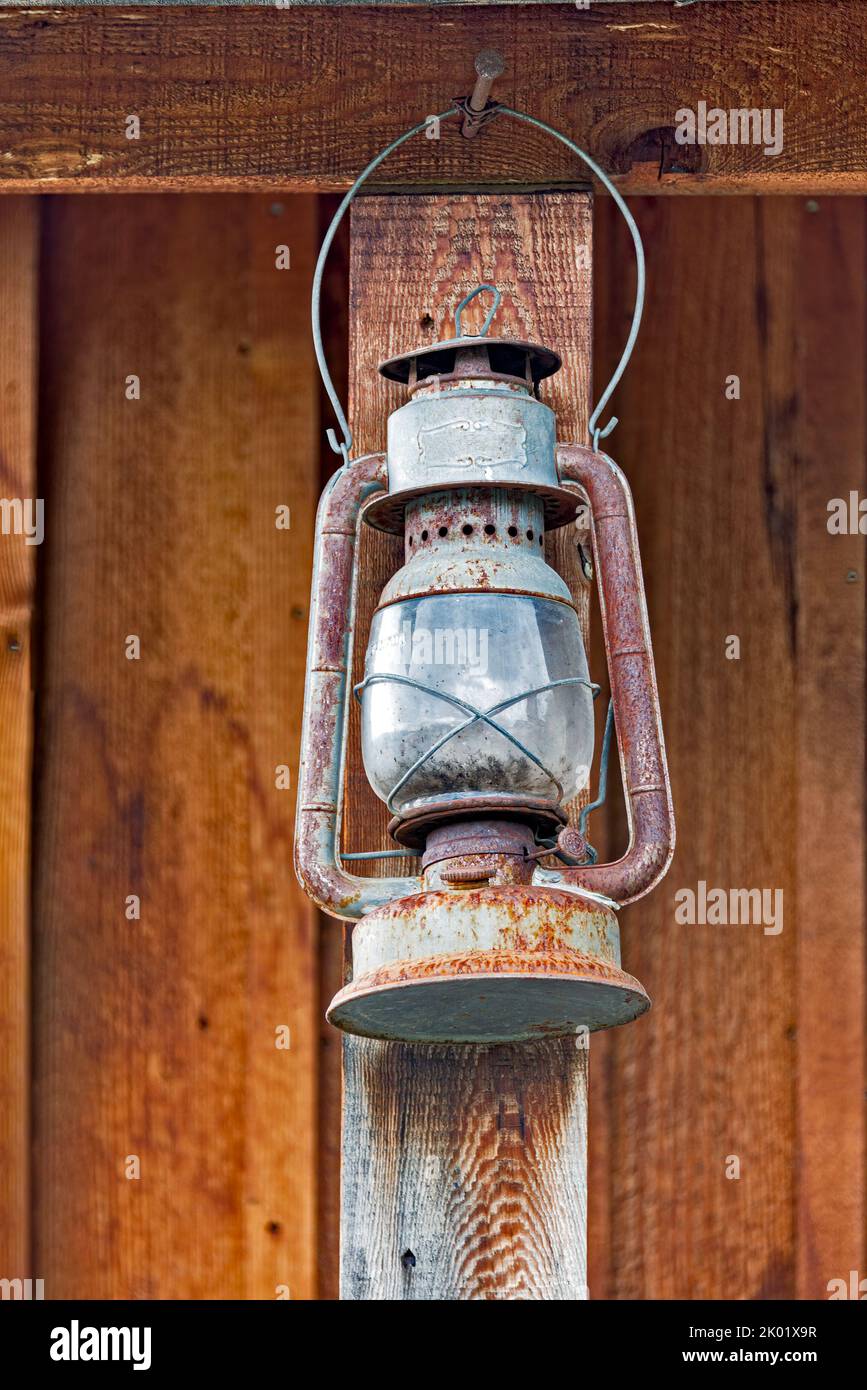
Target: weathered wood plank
(302, 4)
(709, 1073)
(157, 1037)
(303, 97)
(464, 1171)
(754, 1048)
(829, 313)
(19, 257)
(278, 468)
(483, 1196)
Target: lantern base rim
(454, 1001)
(504, 963)
(500, 963)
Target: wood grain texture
(755, 1045)
(303, 97)
(464, 1169)
(157, 1037)
(463, 1172)
(829, 432)
(19, 259)
(301, 4)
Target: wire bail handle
(596, 432)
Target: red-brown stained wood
(829, 431)
(754, 1047)
(709, 1072)
(486, 1187)
(303, 98)
(19, 256)
(755, 1044)
(157, 1037)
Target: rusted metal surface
(489, 997)
(487, 964)
(479, 852)
(413, 829)
(475, 837)
(475, 540)
(572, 846)
(478, 869)
(565, 963)
(633, 681)
(329, 655)
(472, 869)
(521, 918)
(489, 65)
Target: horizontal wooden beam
(308, 4)
(294, 98)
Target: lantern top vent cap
(506, 357)
(474, 357)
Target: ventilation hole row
(467, 530)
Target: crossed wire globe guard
(476, 715)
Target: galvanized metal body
(487, 944)
(468, 432)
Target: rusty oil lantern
(477, 710)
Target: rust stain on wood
(478, 1155)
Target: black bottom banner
(78, 1339)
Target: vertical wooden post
(464, 1167)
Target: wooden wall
(156, 1038)
(755, 1046)
(19, 242)
(155, 777)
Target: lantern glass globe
(435, 664)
